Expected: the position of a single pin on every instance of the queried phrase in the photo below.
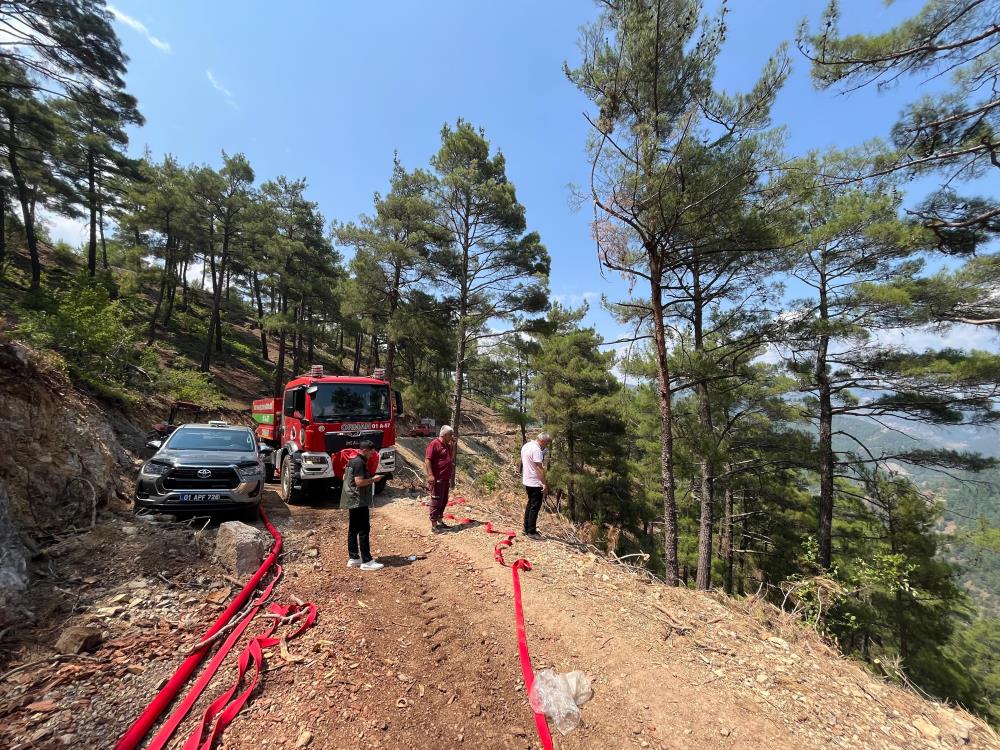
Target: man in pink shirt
(533, 476)
(439, 462)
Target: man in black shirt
(358, 496)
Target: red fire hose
(140, 728)
(225, 708)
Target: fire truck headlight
(316, 459)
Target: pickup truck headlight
(154, 469)
(249, 472)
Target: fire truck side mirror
(399, 403)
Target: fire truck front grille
(336, 441)
(193, 478)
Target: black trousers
(358, 527)
(535, 499)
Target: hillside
(968, 497)
(422, 655)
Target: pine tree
(494, 270)
(954, 134)
(393, 250)
(852, 235)
(648, 68)
(95, 150)
(573, 394)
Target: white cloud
(71, 231)
(139, 26)
(575, 299)
(217, 85)
(955, 337)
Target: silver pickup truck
(203, 467)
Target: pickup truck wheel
(287, 491)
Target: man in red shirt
(439, 462)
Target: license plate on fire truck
(200, 497)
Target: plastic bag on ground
(559, 696)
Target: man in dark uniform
(439, 463)
(357, 497)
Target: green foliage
(488, 478)
(426, 398)
(573, 395)
(89, 329)
(181, 381)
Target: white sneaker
(372, 565)
(353, 562)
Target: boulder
(241, 548)
(77, 639)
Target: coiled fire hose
(225, 708)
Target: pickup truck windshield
(211, 439)
(340, 401)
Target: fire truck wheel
(380, 486)
(289, 494)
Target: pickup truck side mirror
(264, 450)
(154, 444)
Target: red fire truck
(311, 429)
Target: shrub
(181, 381)
(88, 328)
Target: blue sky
(328, 90)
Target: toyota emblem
(204, 473)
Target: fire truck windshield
(334, 402)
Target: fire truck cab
(320, 422)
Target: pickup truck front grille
(187, 478)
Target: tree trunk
(100, 228)
(184, 279)
(297, 341)
(728, 554)
(570, 484)
(310, 338)
(666, 426)
(390, 341)
(826, 457)
(358, 341)
(171, 293)
(703, 577)
(167, 260)
(279, 368)
(24, 198)
(92, 207)
(463, 311)
(456, 402)
(255, 286)
(214, 323)
(3, 229)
